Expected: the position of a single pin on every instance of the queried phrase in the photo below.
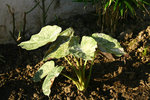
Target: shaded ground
(126, 77)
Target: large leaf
(47, 34)
(68, 32)
(47, 84)
(86, 49)
(108, 44)
(60, 48)
(74, 41)
(43, 71)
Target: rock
(67, 89)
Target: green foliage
(113, 10)
(123, 5)
(110, 11)
(64, 44)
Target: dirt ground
(114, 78)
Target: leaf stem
(84, 67)
(77, 62)
(78, 73)
(80, 61)
(68, 61)
(89, 76)
(69, 77)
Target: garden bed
(126, 77)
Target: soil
(126, 77)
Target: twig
(14, 24)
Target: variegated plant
(64, 44)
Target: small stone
(68, 98)
(93, 93)
(17, 70)
(72, 93)
(79, 98)
(59, 97)
(67, 89)
(35, 95)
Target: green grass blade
(106, 6)
(147, 3)
(121, 9)
(129, 7)
(115, 6)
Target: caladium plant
(63, 44)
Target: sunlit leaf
(108, 44)
(86, 49)
(60, 48)
(43, 71)
(47, 84)
(46, 35)
(88, 45)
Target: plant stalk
(43, 12)
(89, 76)
(74, 68)
(84, 68)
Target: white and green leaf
(46, 35)
(43, 71)
(48, 82)
(60, 48)
(88, 45)
(86, 49)
(108, 44)
(68, 32)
